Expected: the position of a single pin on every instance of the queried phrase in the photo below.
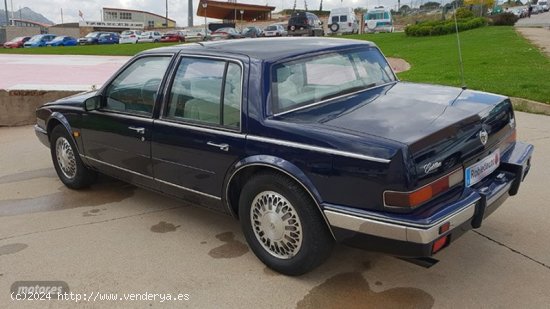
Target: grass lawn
(110, 50)
(496, 59)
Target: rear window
(343, 18)
(378, 15)
(335, 19)
(271, 28)
(305, 81)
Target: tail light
(132, 36)
(439, 244)
(419, 196)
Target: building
(233, 11)
(148, 19)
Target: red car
(175, 36)
(17, 42)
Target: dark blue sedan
(63, 41)
(108, 38)
(306, 141)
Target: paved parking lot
(116, 238)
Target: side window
(206, 91)
(135, 89)
(343, 18)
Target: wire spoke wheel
(276, 224)
(65, 157)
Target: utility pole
(12, 14)
(7, 14)
(166, 13)
(190, 13)
(61, 15)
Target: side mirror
(92, 103)
(321, 23)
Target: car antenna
(460, 63)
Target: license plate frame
(479, 170)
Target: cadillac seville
(306, 141)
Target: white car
(150, 36)
(379, 20)
(275, 30)
(129, 37)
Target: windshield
(271, 28)
(92, 35)
(36, 38)
(310, 80)
(57, 39)
(17, 39)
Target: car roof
(272, 49)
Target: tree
(430, 5)
(485, 3)
(405, 8)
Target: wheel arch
(55, 119)
(247, 167)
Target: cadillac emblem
(483, 137)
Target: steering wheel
(149, 90)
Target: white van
(343, 21)
(378, 20)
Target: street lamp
(204, 6)
(242, 12)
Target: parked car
(252, 32)
(305, 23)
(275, 30)
(173, 36)
(150, 37)
(108, 38)
(544, 5)
(305, 142)
(39, 40)
(129, 37)
(343, 21)
(63, 41)
(17, 42)
(225, 34)
(90, 38)
(379, 20)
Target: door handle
(223, 147)
(138, 130)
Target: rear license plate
(475, 173)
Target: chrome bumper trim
(396, 231)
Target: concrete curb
(529, 106)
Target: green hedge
(442, 27)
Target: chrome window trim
(171, 78)
(200, 128)
(107, 112)
(150, 178)
(284, 172)
(331, 99)
(316, 148)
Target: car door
(198, 136)
(117, 136)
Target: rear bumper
(414, 236)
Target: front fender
(57, 117)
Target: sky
(177, 9)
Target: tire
(293, 245)
(69, 167)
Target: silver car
(275, 30)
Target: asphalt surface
(536, 20)
(116, 238)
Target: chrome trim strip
(284, 172)
(316, 148)
(150, 178)
(39, 129)
(118, 114)
(396, 231)
(199, 128)
(187, 189)
(334, 98)
(117, 167)
(168, 88)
